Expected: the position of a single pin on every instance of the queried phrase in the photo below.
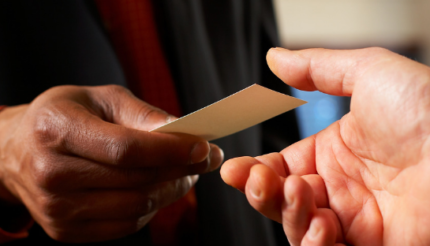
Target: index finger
(296, 159)
(76, 131)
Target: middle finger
(123, 203)
(70, 173)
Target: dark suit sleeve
(48, 43)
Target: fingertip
(262, 183)
(216, 156)
(170, 118)
(272, 58)
(321, 231)
(255, 186)
(296, 189)
(315, 230)
(210, 163)
(292, 67)
(264, 191)
(227, 171)
(235, 172)
(199, 152)
(193, 179)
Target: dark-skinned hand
(82, 162)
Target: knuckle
(119, 151)
(53, 209)
(124, 151)
(50, 127)
(116, 89)
(149, 112)
(45, 175)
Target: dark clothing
(214, 48)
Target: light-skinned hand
(364, 180)
(83, 163)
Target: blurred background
(402, 26)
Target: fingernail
(275, 49)
(171, 118)
(271, 50)
(269, 58)
(142, 221)
(314, 230)
(200, 152)
(193, 179)
(289, 197)
(254, 188)
(216, 157)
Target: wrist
(10, 118)
(15, 218)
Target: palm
(366, 173)
(375, 160)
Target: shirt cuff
(10, 236)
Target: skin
(364, 179)
(82, 162)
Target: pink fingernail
(171, 118)
(254, 189)
(314, 230)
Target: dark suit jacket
(214, 48)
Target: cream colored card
(237, 112)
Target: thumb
(121, 107)
(330, 71)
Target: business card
(234, 113)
